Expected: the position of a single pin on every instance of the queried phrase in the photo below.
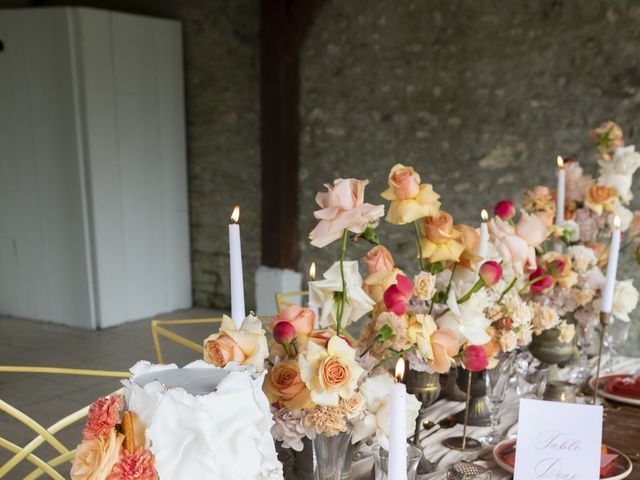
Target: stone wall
(479, 96)
(222, 56)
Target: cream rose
(331, 373)
(424, 286)
(625, 299)
(284, 385)
(95, 458)
(247, 346)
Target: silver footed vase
(550, 350)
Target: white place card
(558, 441)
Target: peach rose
(95, 458)
(301, 318)
(540, 199)
(104, 414)
(436, 346)
(138, 465)
(410, 200)
(516, 244)
(342, 208)
(470, 240)
(284, 385)
(441, 242)
(601, 198)
(379, 259)
(334, 373)
(247, 346)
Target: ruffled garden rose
(302, 319)
(410, 200)
(331, 373)
(284, 386)
(397, 296)
(342, 208)
(322, 293)
(608, 137)
(625, 300)
(440, 241)
(470, 240)
(104, 415)
(379, 259)
(516, 244)
(437, 347)
(138, 465)
(424, 286)
(601, 198)
(247, 346)
(95, 458)
(375, 391)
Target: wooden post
(282, 29)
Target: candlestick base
(458, 443)
(604, 321)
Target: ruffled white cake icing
(203, 422)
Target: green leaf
(386, 333)
(370, 235)
(439, 297)
(435, 268)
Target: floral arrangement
(112, 445)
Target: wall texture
(480, 97)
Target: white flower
(322, 294)
(424, 286)
(618, 172)
(625, 216)
(544, 318)
(582, 258)
(572, 228)
(525, 334)
(625, 300)
(375, 391)
(467, 320)
(509, 341)
(288, 428)
(567, 332)
(331, 373)
(519, 311)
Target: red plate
(605, 389)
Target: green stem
(476, 287)
(343, 297)
(417, 229)
(511, 285)
(395, 356)
(453, 271)
(375, 340)
(531, 282)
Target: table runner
(431, 440)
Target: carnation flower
(326, 419)
(104, 414)
(288, 428)
(138, 465)
(508, 341)
(567, 332)
(544, 318)
(582, 257)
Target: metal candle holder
(463, 443)
(604, 321)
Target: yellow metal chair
(26, 453)
(286, 299)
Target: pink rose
(379, 259)
(104, 414)
(544, 282)
(301, 318)
(405, 182)
(397, 296)
(475, 358)
(532, 229)
(513, 249)
(490, 273)
(505, 209)
(342, 208)
(444, 343)
(138, 465)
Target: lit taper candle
(314, 308)
(612, 268)
(398, 426)
(560, 192)
(235, 269)
(483, 247)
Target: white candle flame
(400, 369)
(235, 216)
(484, 215)
(312, 271)
(560, 162)
(616, 222)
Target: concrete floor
(47, 398)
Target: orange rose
(246, 346)
(284, 385)
(601, 198)
(95, 458)
(405, 182)
(379, 259)
(333, 373)
(441, 242)
(470, 240)
(223, 350)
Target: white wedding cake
(204, 422)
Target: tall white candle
(483, 247)
(398, 427)
(560, 192)
(314, 308)
(235, 269)
(612, 268)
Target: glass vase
(330, 452)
